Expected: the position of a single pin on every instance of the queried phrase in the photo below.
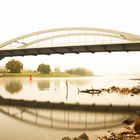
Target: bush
(80, 71)
(44, 68)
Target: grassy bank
(35, 74)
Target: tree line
(15, 66)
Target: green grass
(35, 74)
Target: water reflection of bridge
(68, 106)
(66, 119)
(66, 116)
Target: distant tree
(14, 66)
(80, 71)
(57, 69)
(44, 68)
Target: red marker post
(30, 77)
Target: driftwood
(90, 91)
(125, 91)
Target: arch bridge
(70, 40)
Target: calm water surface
(50, 124)
(55, 90)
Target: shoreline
(52, 74)
(135, 79)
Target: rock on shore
(126, 133)
(137, 124)
(83, 136)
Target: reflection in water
(66, 119)
(43, 84)
(57, 91)
(80, 82)
(70, 116)
(13, 86)
(57, 84)
(67, 90)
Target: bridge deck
(72, 49)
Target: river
(19, 123)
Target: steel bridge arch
(78, 31)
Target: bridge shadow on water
(63, 116)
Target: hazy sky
(18, 17)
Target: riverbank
(35, 74)
(125, 134)
(127, 131)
